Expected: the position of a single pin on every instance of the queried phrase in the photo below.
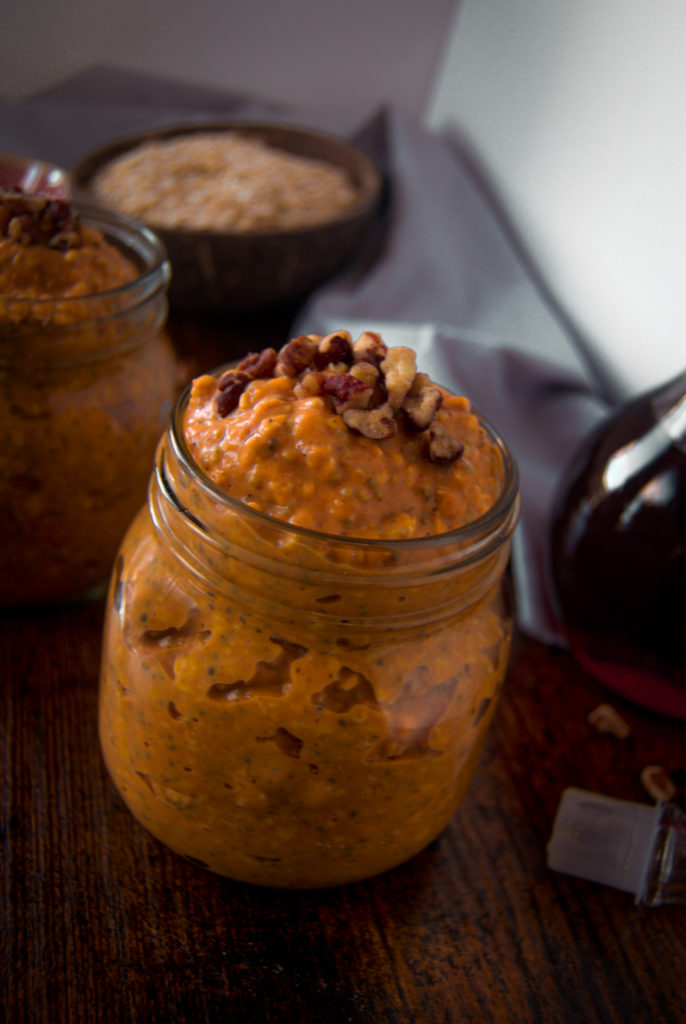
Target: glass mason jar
(86, 387)
(291, 708)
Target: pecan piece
(370, 348)
(334, 348)
(422, 403)
(297, 355)
(607, 719)
(346, 391)
(366, 372)
(231, 386)
(658, 783)
(309, 384)
(375, 423)
(399, 369)
(259, 364)
(442, 448)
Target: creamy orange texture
(272, 729)
(85, 389)
(295, 459)
(38, 271)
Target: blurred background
(573, 112)
(305, 53)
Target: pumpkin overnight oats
(87, 379)
(307, 629)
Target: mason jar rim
(484, 526)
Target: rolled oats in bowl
(223, 181)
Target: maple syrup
(618, 550)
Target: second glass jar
(87, 384)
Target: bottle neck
(669, 409)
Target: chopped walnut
(658, 783)
(346, 391)
(259, 364)
(231, 386)
(607, 719)
(370, 348)
(38, 220)
(422, 403)
(399, 369)
(372, 386)
(309, 384)
(375, 423)
(297, 355)
(335, 348)
(443, 448)
(366, 372)
(233, 382)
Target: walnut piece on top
(373, 388)
(27, 219)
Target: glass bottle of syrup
(618, 550)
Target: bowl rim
(371, 180)
(39, 176)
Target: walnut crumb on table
(607, 719)
(658, 783)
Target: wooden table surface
(102, 923)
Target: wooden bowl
(224, 271)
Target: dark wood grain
(102, 923)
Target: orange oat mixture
(41, 271)
(290, 707)
(86, 383)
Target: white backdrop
(308, 53)
(577, 111)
